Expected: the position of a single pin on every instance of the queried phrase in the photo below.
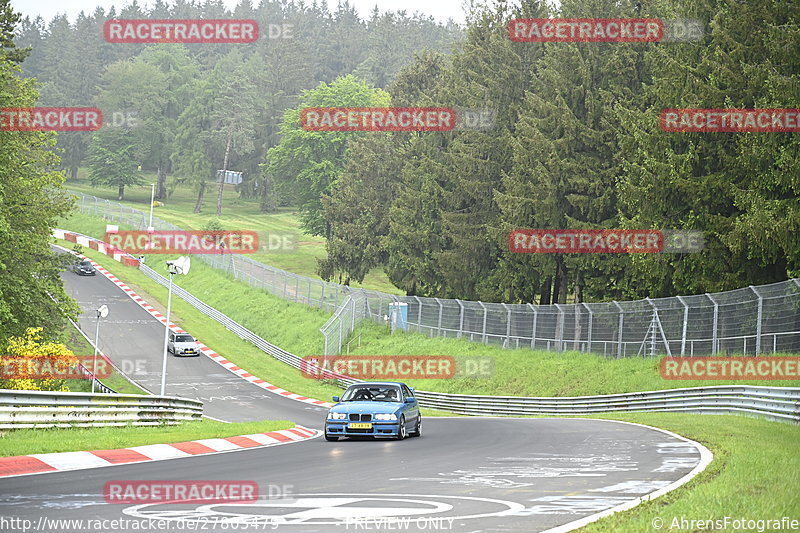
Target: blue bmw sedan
(375, 409)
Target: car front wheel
(401, 431)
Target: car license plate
(361, 425)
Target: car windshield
(372, 393)
(86, 264)
(184, 338)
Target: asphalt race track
(134, 340)
(463, 475)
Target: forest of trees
(576, 142)
(577, 145)
(188, 100)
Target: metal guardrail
(774, 403)
(38, 409)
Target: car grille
(360, 418)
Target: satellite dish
(102, 312)
(182, 265)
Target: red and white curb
(23, 465)
(231, 367)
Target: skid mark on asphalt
(634, 487)
(573, 504)
(516, 472)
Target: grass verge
(755, 475)
(525, 372)
(51, 440)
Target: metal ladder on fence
(654, 330)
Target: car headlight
(385, 416)
(336, 416)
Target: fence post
(353, 319)
(460, 319)
(485, 315)
(508, 324)
(621, 323)
(533, 331)
(589, 332)
(685, 324)
(559, 340)
(716, 318)
(760, 317)
(439, 324)
(419, 313)
(322, 298)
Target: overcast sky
(440, 9)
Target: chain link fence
(753, 320)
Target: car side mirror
(411, 399)
(336, 399)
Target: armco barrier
(27, 409)
(774, 403)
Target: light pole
(152, 199)
(179, 266)
(102, 312)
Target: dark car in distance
(83, 268)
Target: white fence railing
(39, 409)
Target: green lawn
(50, 440)
(525, 372)
(237, 214)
